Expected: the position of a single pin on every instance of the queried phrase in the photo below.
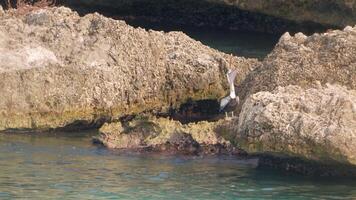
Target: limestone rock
(318, 123)
(57, 69)
(299, 60)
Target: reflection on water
(246, 44)
(42, 167)
(250, 45)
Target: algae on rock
(158, 133)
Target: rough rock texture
(168, 136)
(300, 60)
(318, 123)
(57, 69)
(328, 12)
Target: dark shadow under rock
(305, 167)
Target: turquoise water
(239, 43)
(246, 44)
(68, 167)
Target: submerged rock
(317, 124)
(59, 69)
(168, 136)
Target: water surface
(69, 167)
(239, 43)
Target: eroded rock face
(301, 60)
(318, 123)
(57, 68)
(168, 136)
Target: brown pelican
(229, 103)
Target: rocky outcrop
(302, 60)
(147, 133)
(58, 69)
(317, 124)
(306, 128)
(338, 13)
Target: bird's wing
(223, 102)
(231, 76)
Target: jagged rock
(301, 60)
(318, 123)
(168, 136)
(304, 121)
(58, 69)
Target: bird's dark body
(231, 106)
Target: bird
(230, 102)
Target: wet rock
(129, 138)
(181, 142)
(317, 124)
(168, 136)
(57, 68)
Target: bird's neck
(232, 91)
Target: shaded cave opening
(191, 111)
(194, 111)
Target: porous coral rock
(318, 123)
(57, 69)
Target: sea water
(68, 166)
(238, 43)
